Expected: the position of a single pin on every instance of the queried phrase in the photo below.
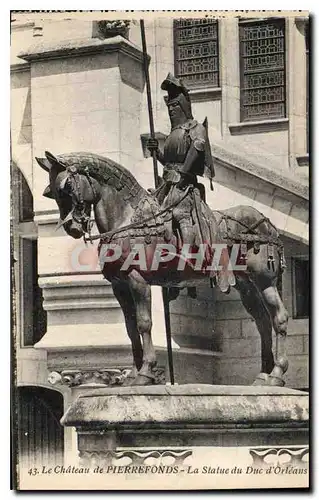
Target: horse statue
(127, 216)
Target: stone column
(229, 73)
(296, 65)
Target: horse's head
(74, 192)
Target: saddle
(149, 221)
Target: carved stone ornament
(102, 378)
(281, 456)
(134, 457)
(73, 378)
(107, 29)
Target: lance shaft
(157, 182)
(149, 101)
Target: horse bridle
(78, 213)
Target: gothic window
(262, 70)
(196, 52)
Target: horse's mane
(106, 172)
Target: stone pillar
(229, 73)
(296, 65)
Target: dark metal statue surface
(128, 216)
(186, 154)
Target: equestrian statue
(170, 237)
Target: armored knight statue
(186, 154)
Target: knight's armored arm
(160, 156)
(152, 145)
(195, 151)
(197, 148)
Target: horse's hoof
(143, 380)
(276, 381)
(262, 379)
(282, 363)
(281, 366)
(128, 381)
(130, 377)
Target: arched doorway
(39, 432)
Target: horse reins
(109, 234)
(248, 234)
(84, 218)
(78, 196)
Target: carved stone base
(157, 437)
(189, 415)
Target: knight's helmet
(177, 92)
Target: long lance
(157, 182)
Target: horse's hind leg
(276, 310)
(279, 316)
(124, 296)
(255, 306)
(265, 278)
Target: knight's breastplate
(176, 146)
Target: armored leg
(188, 237)
(186, 228)
(182, 216)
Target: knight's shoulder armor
(198, 135)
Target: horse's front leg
(141, 293)
(124, 295)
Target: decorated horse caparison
(130, 218)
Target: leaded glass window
(262, 70)
(196, 52)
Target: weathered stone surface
(187, 405)
(280, 179)
(45, 50)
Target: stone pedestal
(135, 434)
